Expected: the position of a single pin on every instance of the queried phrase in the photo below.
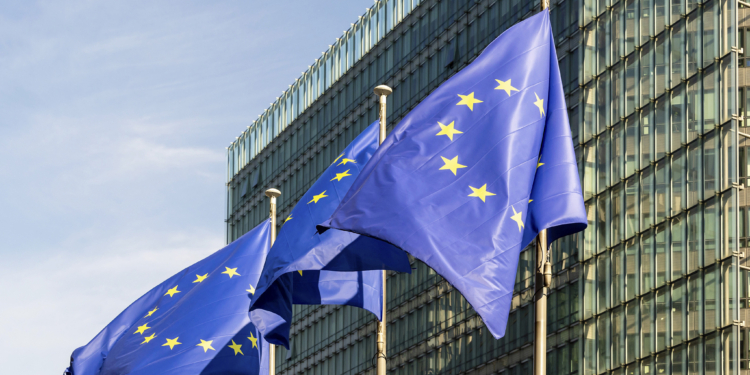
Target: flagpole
(382, 92)
(541, 283)
(273, 194)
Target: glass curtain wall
(658, 151)
(656, 283)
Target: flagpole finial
(273, 193)
(383, 90)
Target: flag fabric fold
(469, 177)
(305, 267)
(195, 322)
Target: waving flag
(473, 173)
(306, 263)
(196, 322)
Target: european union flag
(304, 267)
(196, 322)
(476, 170)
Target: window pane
(694, 47)
(631, 84)
(616, 215)
(646, 72)
(711, 313)
(678, 182)
(602, 227)
(646, 137)
(646, 259)
(603, 103)
(710, 232)
(661, 125)
(646, 324)
(662, 318)
(631, 331)
(661, 62)
(602, 278)
(603, 350)
(661, 261)
(678, 311)
(631, 269)
(710, 23)
(678, 50)
(618, 276)
(693, 239)
(661, 190)
(710, 98)
(618, 336)
(677, 113)
(646, 20)
(589, 236)
(631, 207)
(693, 174)
(677, 246)
(589, 292)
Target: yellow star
(448, 130)
(531, 200)
(468, 100)
(289, 218)
(539, 103)
(142, 329)
(345, 160)
(300, 272)
(148, 338)
(339, 176)
(254, 340)
(172, 291)
(318, 197)
(206, 345)
(200, 278)
(451, 164)
(151, 312)
(539, 162)
(480, 193)
(251, 290)
(505, 85)
(231, 272)
(337, 159)
(172, 343)
(517, 217)
(236, 348)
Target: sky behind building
(114, 118)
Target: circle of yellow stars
(450, 130)
(206, 345)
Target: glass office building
(658, 282)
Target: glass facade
(658, 282)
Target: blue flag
(196, 322)
(476, 170)
(305, 267)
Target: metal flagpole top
(273, 193)
(383, 90)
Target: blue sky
(114, 118)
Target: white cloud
(74, 293)
(114, 117)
